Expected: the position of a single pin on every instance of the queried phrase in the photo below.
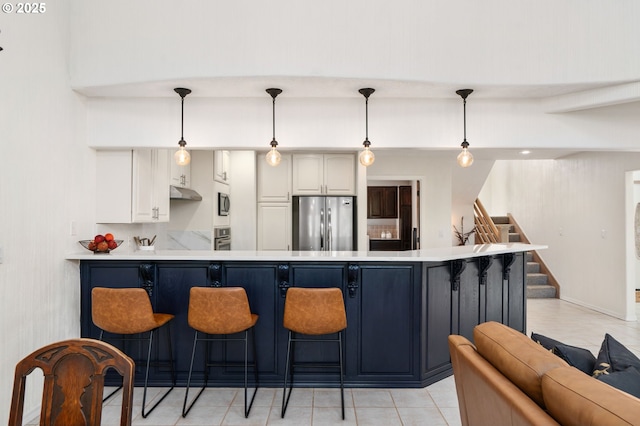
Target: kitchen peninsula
(401, 306)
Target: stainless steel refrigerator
(324, 223)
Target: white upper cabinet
(180, 175)
(274, 183)
(324, 174)
(150, 188)
(339, 174)
(221, 166)
(137, 188)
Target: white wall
(575, 205)
(243, 195)
(47, 180)
(338, 123)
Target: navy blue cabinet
(399, 314)
(384, 309)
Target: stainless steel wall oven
(222, 238)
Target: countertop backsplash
(188, 240)
(165, 239)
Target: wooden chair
(73, 382)
(128, 312)
(219, 313)
(313, 312)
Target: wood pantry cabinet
(382, 202)
(132, 186)
(324, 174)
(399, 314)
(385, 245)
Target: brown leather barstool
(220, 312)
(128, 311)
(314, 312)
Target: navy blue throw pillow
(627, 380)
(546, 342)
(580, 358)
(614, 356)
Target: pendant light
(465, 159)
(182, 156)
(366, 156)
(273, 156)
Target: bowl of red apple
(101, 244)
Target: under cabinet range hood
(178, 193)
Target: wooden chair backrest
(73, 382)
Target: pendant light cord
(366, 119)
(274, 118)
(464, 114)
(182, 121)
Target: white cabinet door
(161, 183)
(274, 183)
(339, 174)
(180, 175)
(274, 226)
(143, 197)
(324, 174)
(221, 166)
(308, 171)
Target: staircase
(538, 285)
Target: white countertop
(425, 255)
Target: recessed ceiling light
(525, 152)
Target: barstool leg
(186, 410)
(287, 367)
(341, 374)
(146, 380)
(119, 387)
(246, 372)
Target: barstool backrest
(220, 310)
(73, 382)
(314, 311)
(122, 310)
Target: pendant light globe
(273, 157)
(182, 156)
(366, 155)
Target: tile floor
(434, 405)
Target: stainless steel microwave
(223, 204)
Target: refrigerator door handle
(321, 229)
(329, 236)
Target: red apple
(103, 246)
(98, 238)
(112, 244)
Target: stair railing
(486, 231)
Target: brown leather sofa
(508, 379)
